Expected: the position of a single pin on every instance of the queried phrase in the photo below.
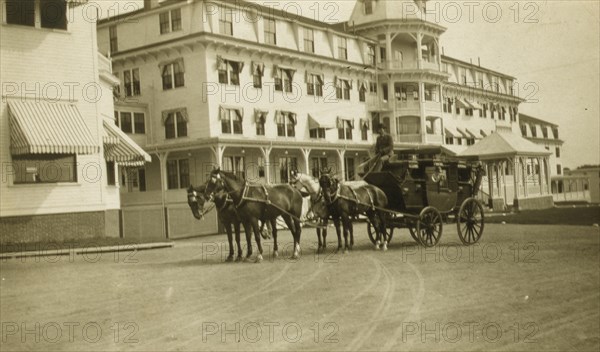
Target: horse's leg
(248, 230)
(298, 227)
(347, 222)
(351, 234)
(273, 223)
(292, 227)
(324, 233)
(338, 231)
(256, 229)
(236, 226)
(319, 239)
(380, 216)
(228, 228)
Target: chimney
(150, 4)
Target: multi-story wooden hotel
(259, 91)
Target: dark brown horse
(346, 202)
(225, 212)
(261, 202)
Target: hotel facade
(259, 91)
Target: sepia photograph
(305, 175)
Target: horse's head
(214, 184)
(294, 176)
(329, 185)
(196, 200)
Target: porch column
(490, 167)
(266, 152)
(438, 52)
(422, 110)
(504, 166)
(306, 155)
(548, 174)
(524, 170)
(162, 159)
(515, 180)
(419, 51)
(388, 48)
(218, 151)
(540, 176)
(341, 154)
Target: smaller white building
(59, 147)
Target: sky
(551, 47)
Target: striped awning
(321, 122)
(125, 152)
(39, 127)
(463, 133)
(470, 133)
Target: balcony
(408, 104)
(407, 138)
(409, 65)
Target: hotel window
(349, 168)
(44, 168)
(270, 31)
(458, 141)
(515, 114)
(384, 88)
(286, 165)
(260, 118)
(131, 80)
(449, 140)
(110, 173)
(53, 13)
(464, 80)
(555, 133)
(368, 7)
(533, 131)
(457, 109)
(225, 21)
(235, 165)
(557, 152)
(558, 170)
(175, 124)
(342, 48)
(345, 128)
(373, 87)
(178, 174)
(173, 75)
(545, 131)
(343, 87)
(364, 129)
(258, 71)
(284, 79)
(229, 71)
(309, 40)
(132, 123)
(524, 130)
(114, 43)
(314, 84)
(382, 54)
(362, 93)
(484, 110)
(470, 141)
(231, 121)
(371, 58)
(317, 133)
(286, 124)
(170, 21)
(481, 83)
(503, 113)
(408, 125)
(469, 112)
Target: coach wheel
(470, 221)
(413, 233)
(429, 227)
(373, 234)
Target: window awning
(482, 133)
(461, 103)
(463, 133)
(38, 127)
(320, 122)
(474, 104)
(125, 152)
(470, 133)
(449, 133)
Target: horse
(317, 206)
(347, 201)
(261, 202)
(225, 212)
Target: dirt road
(522, 288)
